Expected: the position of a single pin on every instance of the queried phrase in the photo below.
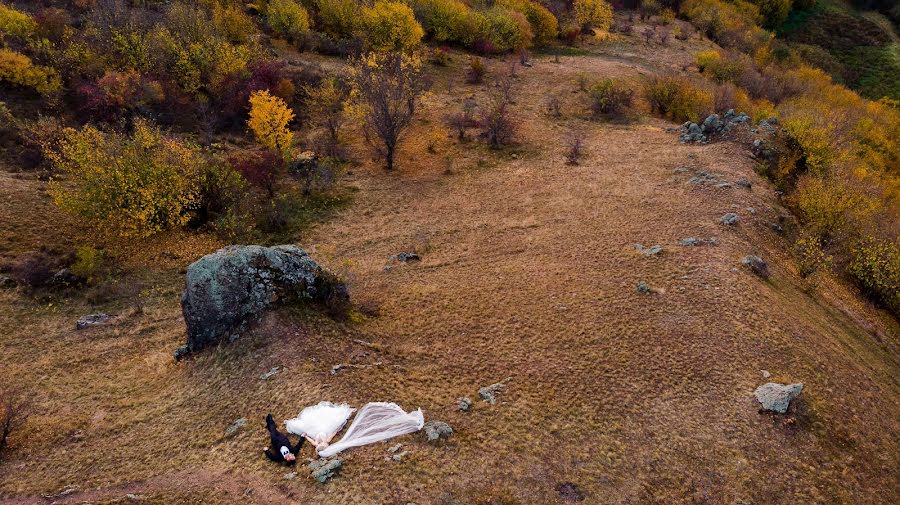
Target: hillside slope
(528, 273)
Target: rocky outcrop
(225, 289)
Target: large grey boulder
(228, 287)
(777, 397)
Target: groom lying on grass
(281, 450)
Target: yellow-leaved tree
(269, 117)
(134, 185)
(390, 26)
(593, 14)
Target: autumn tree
(387, 89)
(269, 117)
(593, 14)
(390, 26)
(326, 103)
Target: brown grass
(529, 273)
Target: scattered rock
(570, 491)
(181, 352)
(7, 282)
(692, 133)
(436, 430)
(757, 265)
(648, 251)
(777, 228)
(290, 476)
(236, 427)
(682, 170)
(709, 179)
(765, 374)
(696, 242)
(712, 124)
(465, 404)
(730, 219)
(65, 278)
(394, 448)
(399, 456)
(324, 469)
(777, 397)
(91, 320)
(225, 289)
(275, 370)
(406, 257)
(489, 393)
(134, 497)
(644, 288)
(744, 183)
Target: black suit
(278, 441)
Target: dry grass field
(528, 273)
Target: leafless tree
(389, 88)
(575, 148)
(14, 410)
(461, 121)
(497, 125)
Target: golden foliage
(18, 69)
(876, 267)
(15, 23)
(133, 185)
(232, 23)
(390, 26)
(593, 14)
(269, 117)
(337, 18)
(287, 18)
(678, 99)
(543, 22)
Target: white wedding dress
(319, 423)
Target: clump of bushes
(18, 69)
(476, 71)
(875, 266)
(133, 184)
(731, 24)
(611, 98)
(722, 68)
(14, 23)
(677, 98)
(287, 18)
(592, 15)
(390, 26)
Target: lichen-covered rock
(91, 320)
(489, 393)
(236, 283)
(324, 469)
(730, 219)
(756, 265)
(436, 430)
(465, 404)
(644, 288)
(648, 251)
(712, 124)
(235, 427)
(777, 397)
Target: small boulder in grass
(777, 397)
(730, 219)
(436, 430)
(324, 469)
(756, 265)
(236, 427)
(91, 320)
